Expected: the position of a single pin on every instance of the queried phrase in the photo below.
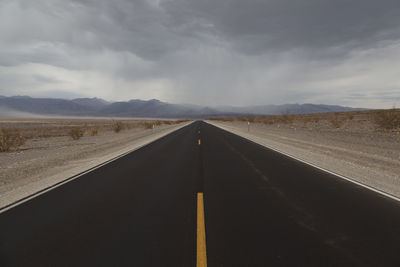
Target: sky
(206, 52)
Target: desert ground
(361, 145)
(39, 152)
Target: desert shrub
(221, 119)
(387, 119)
(129, 125)
(10, 139)
(147, 125)
(350, 116)
(251, 119)
(75, 133)
(267, 120)
(241, 119)
(286, 118)
(306, 119)
(93, 132)
(336, 121)
(118, 126)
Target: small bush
(222, 119)
(75, 133)
(251, 119)
(10, 139)
(350, 116)
(286, 118)
(147, 125)
(336, 121)
(269, 121)
(93, 132)
(306, 120)
(129, 126)
(118, 126)
(387, 119)
(180, 121)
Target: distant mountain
(153, 108)
(47, 106)
(287, 108)
(95, 103)
(99, 107)
(147, 108)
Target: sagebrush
(75, 133)
(387, 119)
(93, 132)
(10, 139)
(118, 126)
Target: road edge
(76, 176)
(254, 140)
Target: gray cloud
(207, 52)
(257, 26)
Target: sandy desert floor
(50, 155)
(349, 144)
(355, 148)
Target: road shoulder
(379, 173)
(59, 174)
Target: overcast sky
(208, 52)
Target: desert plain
(37, 153)
(363, 146)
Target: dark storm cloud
(256, 26)
(154, 28)
(208, 52)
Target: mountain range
(146, 108)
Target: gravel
(364, 155)
(42, 162)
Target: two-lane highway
(260, 208)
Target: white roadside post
(248, 126)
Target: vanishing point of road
(198, 196)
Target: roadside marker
(201, 233)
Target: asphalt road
(261, 208)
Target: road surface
(260, 208)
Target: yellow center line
(201, 233)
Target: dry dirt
(357, 148)
(50, 155)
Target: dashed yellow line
(201, 233)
